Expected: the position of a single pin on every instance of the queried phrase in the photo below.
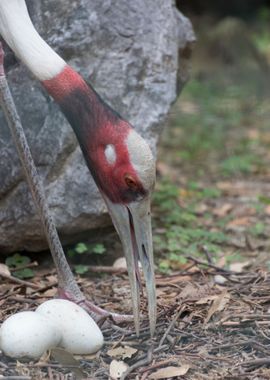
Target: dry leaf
(117, 368)
(254, 243)
(201, 209)
(207, 299)
(238, 267)
(66, 358)
(221, 262)
(22, 369)
(267, 209)
(253, 134)
(160, 292)
(4, 270)
(238, 241)
(50, 292)
(122, 352)
(44, 358)
(224, 186)
(218, 305)
(233, 188)
(166, 373)
(244, 221)
(223, 210)
(87, 357)
(189, 291)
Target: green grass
(238, 163)
(177, 231)
(219, 131)
(210, 128)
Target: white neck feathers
(18, 31)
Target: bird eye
(130, 182)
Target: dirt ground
(211, 230)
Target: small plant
(98, 249)
(264, 199)
(18, 261)
(83, 248)
(177, 234)
(164, 266)
(258, 229)
(238, 163)
(166, 195)
(80, 269)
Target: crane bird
(118, 158)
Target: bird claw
(100, 315)
(97, 313)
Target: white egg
(28, 334)
(80, 333)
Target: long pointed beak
(133, 224)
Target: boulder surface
(136, 55)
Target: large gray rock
(135, 53)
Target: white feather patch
(141, 159)
(18, 31)
(110, 154)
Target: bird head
(125, 174)
(123, 167)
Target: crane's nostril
(145, 253)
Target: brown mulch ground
(205, 330)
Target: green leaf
(164, 266)
(99, 249)
(264, 199)
(24, 273)
(173, 245)
(258, 229)
(81, 269)
(17, 260)
(81, 248)
(211, 193)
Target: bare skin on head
(119, 159)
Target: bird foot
(97, 313)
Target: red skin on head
(96, 126)
(112, 177)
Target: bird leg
(96, 312)
(68, 288)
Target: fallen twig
(30, 265)
(19, 281)
(199, 262)
(171, 326)
(139, 363)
